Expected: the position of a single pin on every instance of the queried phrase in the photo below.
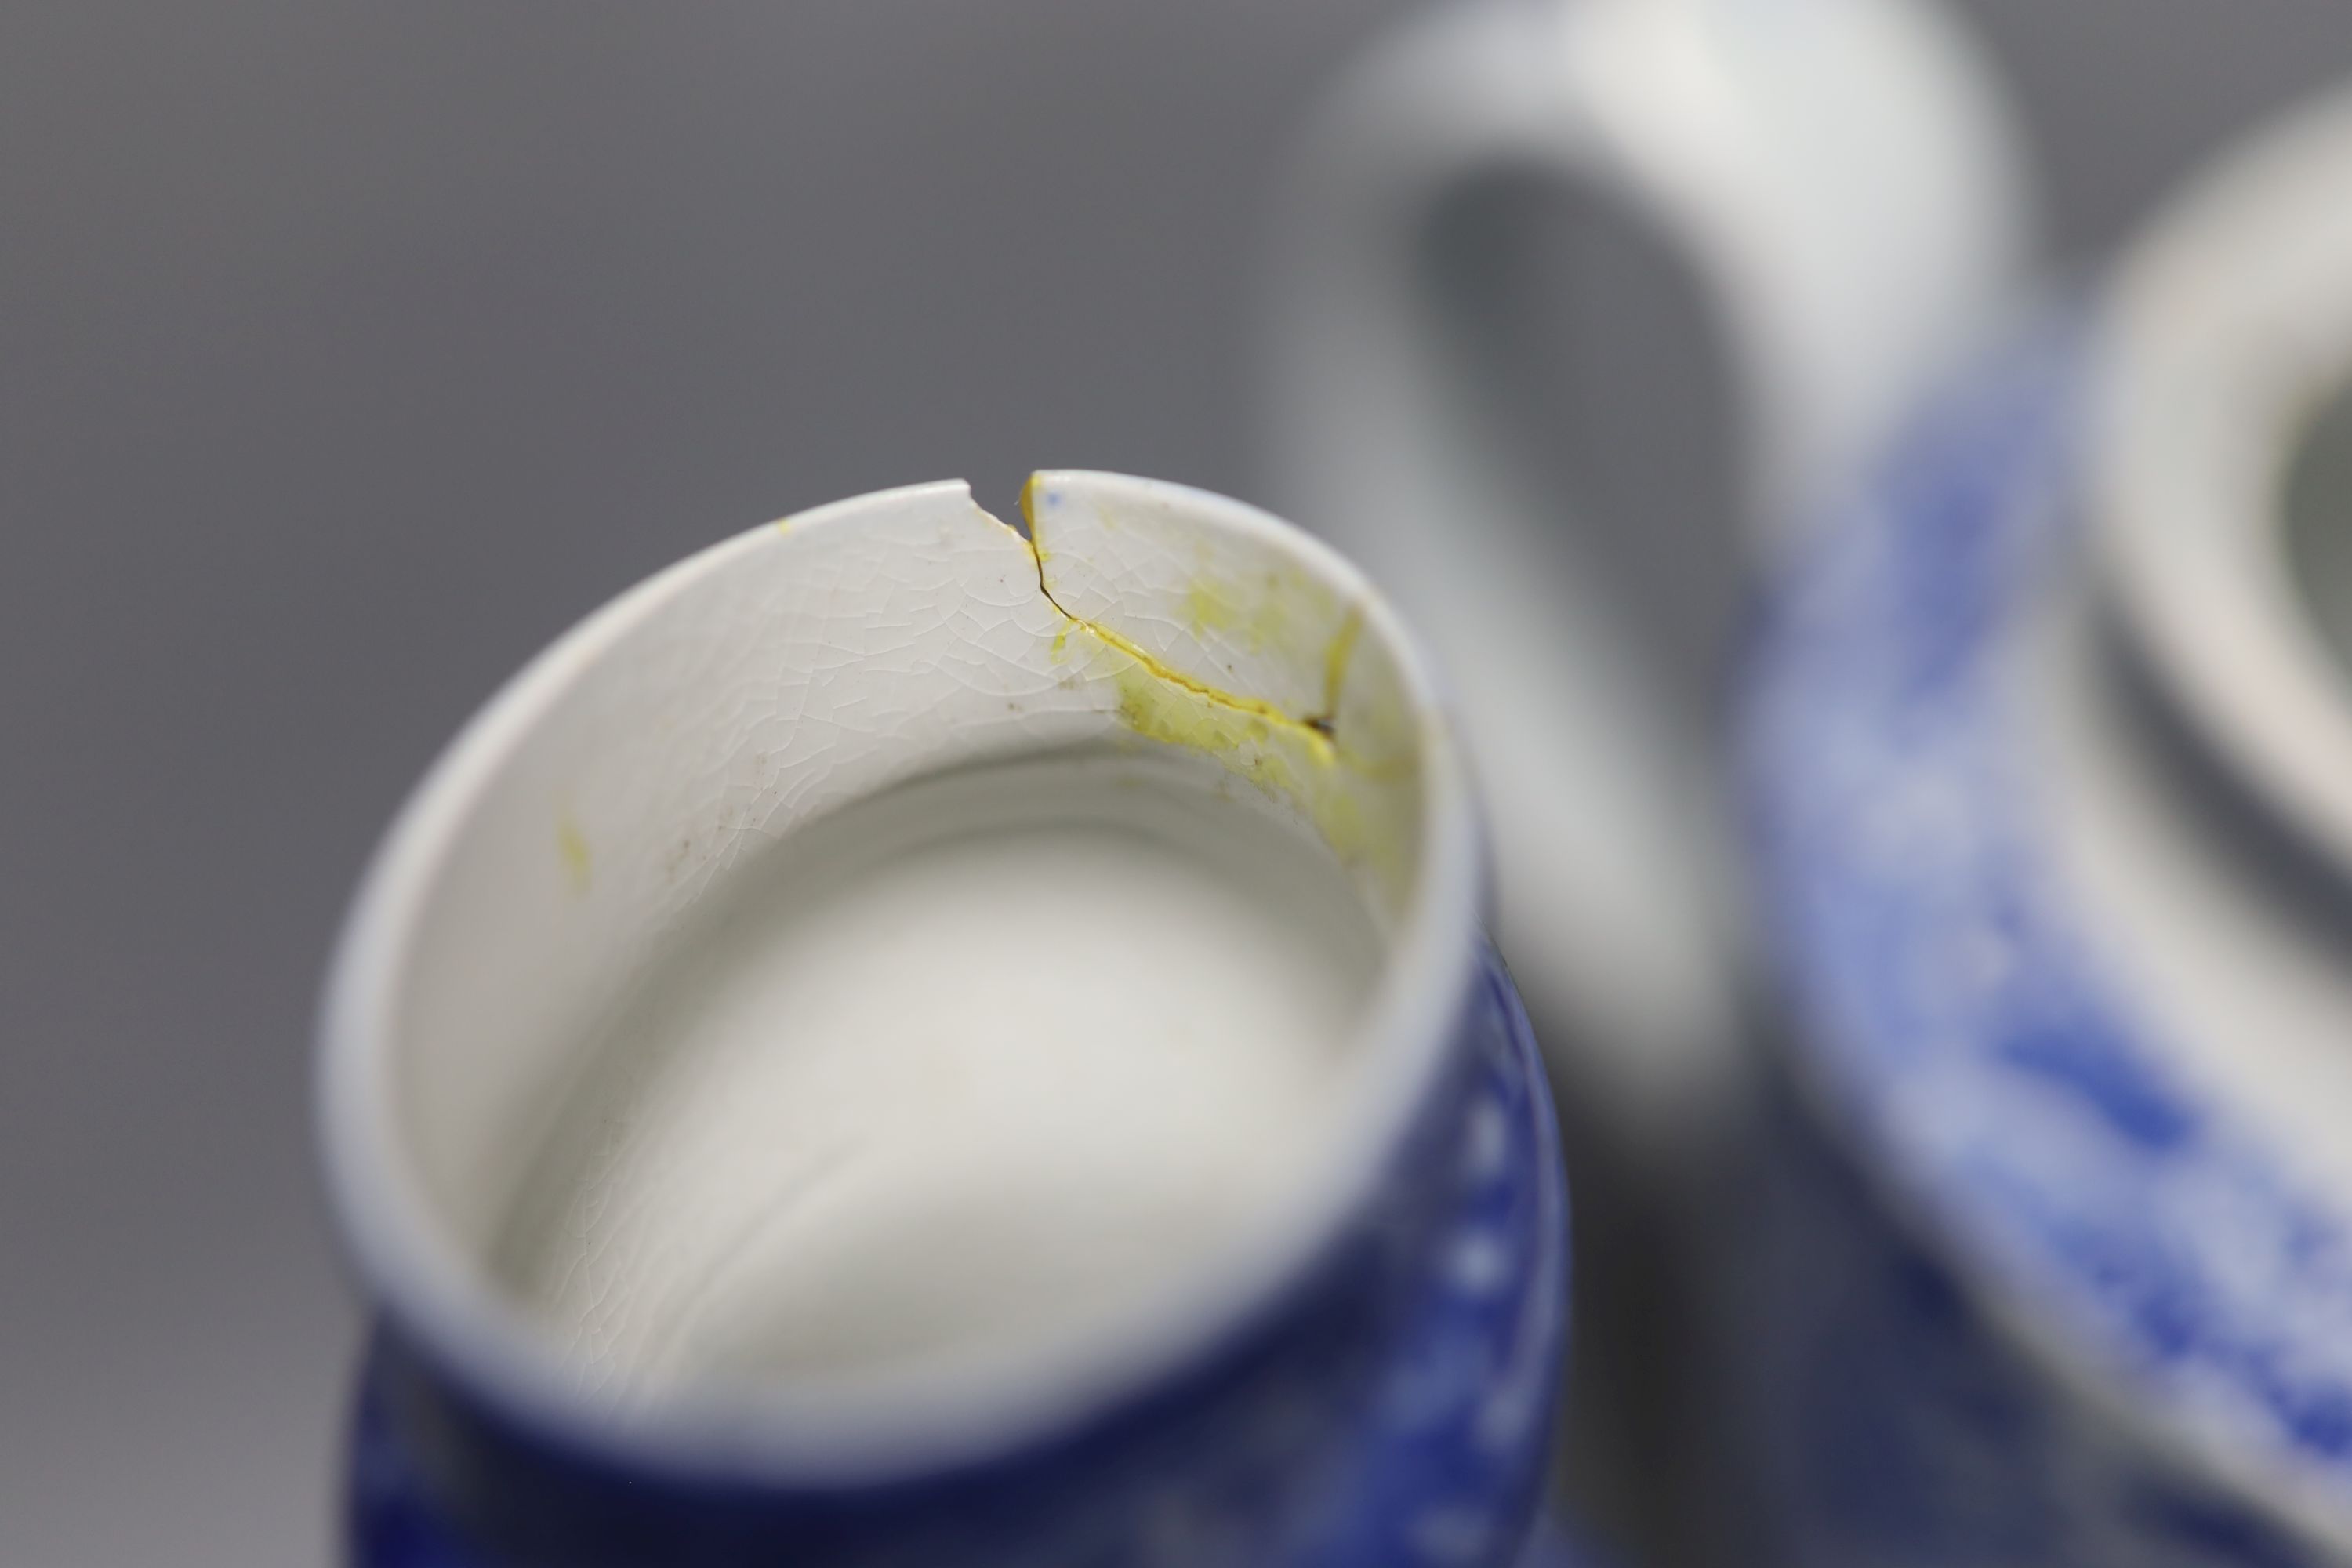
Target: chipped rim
(440, 1298)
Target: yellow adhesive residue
(1336, 658)
(571, 846)
(1253, 716)
(1297, 759)
(1258, 615)
(1181, 715)
(1282, 756)
(1208, 610)
(1215, 699)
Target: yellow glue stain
(1208, 610)
(1215, 700)
(572, 846)
(1259, 617)
(1336, 658)
(1220, 715)
(1280, 755)
(1287, 756)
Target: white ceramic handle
(1839, 177)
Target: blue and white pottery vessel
(2048, 763)
(1362, 1369)
(1840, 183)
(2029, 1239)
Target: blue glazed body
(1992, 1324)
(1394, 1406)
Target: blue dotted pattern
(1396, 1410)
(1958, 1041)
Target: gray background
(348, 351)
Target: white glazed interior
(659, 748)
(973, 1069)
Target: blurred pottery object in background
(2048, 754)
(1838, 181)
(1841, 184)
(1335, 1340)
